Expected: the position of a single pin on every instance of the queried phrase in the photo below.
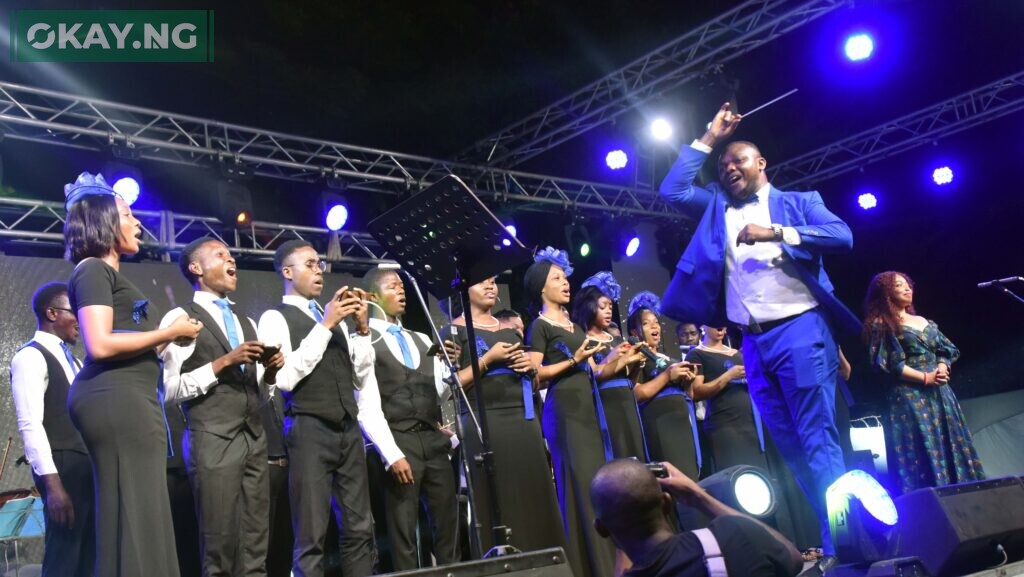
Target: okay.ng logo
(112, 36)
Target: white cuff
(204, 378)
(698, 145)
(790, 236)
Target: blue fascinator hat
(645, 300)
(605, 282)
(554, 256)
(86, 185)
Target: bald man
(632, 509)
(755, 260)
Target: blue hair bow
(605, 282)
(645, 300)
(86, 185)
(556, 257)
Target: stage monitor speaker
(957, 529)
(544, 563)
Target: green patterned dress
(928, 441)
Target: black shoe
(822, 567)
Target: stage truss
(696, 53)
(41, 223)
(58, 118)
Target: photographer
(631, 505)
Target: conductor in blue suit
(755, 259)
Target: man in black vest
(41, 373)
(325, 370)
(410, 386)
(279, 552)
(217, 383)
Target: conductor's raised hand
(722, 126)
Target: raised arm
(678, 188)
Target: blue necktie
(229, 321)
(315, 309)
(70, 357)
(406, 353)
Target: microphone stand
(460, 400)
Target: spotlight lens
(242, 218)
(337, 217)
(661, 129)
(585, 249)
(616, 159)
(753, 493)
(942, 175)
(871, 495)
(633, 246)
(506, 242)
(859, 47)
(511, 228)
(128, 189)
(867, 201)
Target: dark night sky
(432, 77)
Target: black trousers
(186, 528)
(71, 551)
(327, 465)
(279, 552)
(427, 453)
(229, 481)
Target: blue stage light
(942, 175)
(859, 47)
(128, 189)
(743, 487)
(511, 228)
(633, 246)
(868, 491)
(867, 201)
(337, 216)
(860, 516)
(616, 159)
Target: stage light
(128, 189)
(743, 487)
(616, 159)
(860, 516)
(585, 249)
(234, 205)
(633, 246)
(942, 175)
(661, 129)
(577, 237)
(243, 218)
(337, 216)
(511, 228)
(867, 201)
(859, 47)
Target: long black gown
(526, 494)
(621, 412)
(732, 434)
(577, 450)
(114, 406)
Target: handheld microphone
(389, 266)
(1000, 281)
(646, 351)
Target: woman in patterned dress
(929, 444)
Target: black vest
(60, 432)
(273, 424)
(329, 391)
(234, 402)
(407, 396)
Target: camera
(658, 469)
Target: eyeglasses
(313, 265)
(62, 309)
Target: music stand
(446, 238)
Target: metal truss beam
(734, 33)
(42, 222)
(58, 118)
(948, 117)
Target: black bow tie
(741, 202)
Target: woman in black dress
(593, 309)
(113, 401)
(526, 494)
(562, 351)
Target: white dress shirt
(760, 281)
(178, 386)
(298, 364)
(29, 381)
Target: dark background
(433, 77)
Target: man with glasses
(41, 376)
(325, 372)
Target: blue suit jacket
(697, 290)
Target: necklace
(605, 333)
(722, 348)
(487, 326)
(567, 326)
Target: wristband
(572, 363)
